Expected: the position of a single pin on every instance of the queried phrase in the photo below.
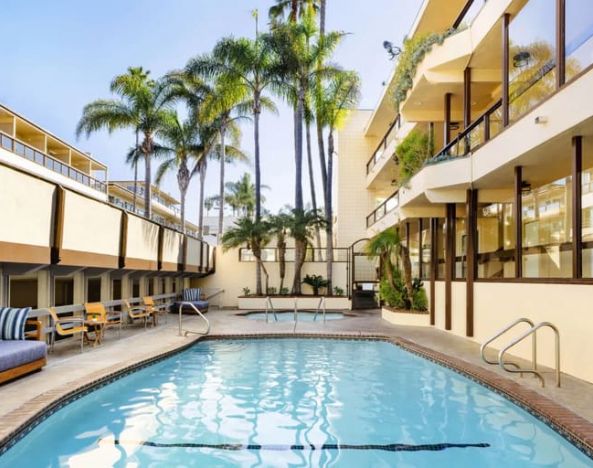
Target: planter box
(287, 303)
(405, 317)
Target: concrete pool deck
(68, 369)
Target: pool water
(289, 316)
(293, 402)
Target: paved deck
(68, 369)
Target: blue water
(289, 316)
(280, 392)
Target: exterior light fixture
(522, 59)
(525, 187)
(454, 126)
(541, 120)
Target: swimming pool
(301, 402)
(303, 316)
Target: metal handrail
(520, 338)
(268, 307)
(502, 332)
(321, 302)
(187, 332)
(381, 211)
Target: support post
(577, 201)
(518, 215)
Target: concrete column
(79, 288)
(44, 286)
(105, 287)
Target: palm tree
(248, 66)
(301, 226)
(180, 146)
(279, 226)
(254, 234)
(337, 97)
(128, 84)
(241, 195)
(145, 107)
(294, 8)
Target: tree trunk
(203, 169)
(298, 155)
(183, 183)
(407, 267)
(322, 18)
(136, 172)
(258, 271)
(329, 228)
(148, 177)
(221, 189)
(312, 181)
(299, 259)
(281, 264)
(256, 115)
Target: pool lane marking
(295, 447)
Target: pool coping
(574, 428)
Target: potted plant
(316, 282)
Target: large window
(93, 289)
(547, 230)
(135, 287)
(414, 246)
(440, 249)
(587, 217)
(63, 291)
(532, 65)
(496, 240)
(579, 36)
(425, 248)
(460, 248)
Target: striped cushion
(12, 323)
(191, 294)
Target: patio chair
(136, 312)
(154, 309)
(66, 326)
(107, 319)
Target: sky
(63, 54)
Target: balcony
(27, 152)
(385, 208)
(380, 154)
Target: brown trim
(169, 266)
(447, 120)
(467, 97)
(420, 250)
(433, 267)
(560, 43)
(462, 14)
(123, 240)
(578, 281)
(471, 231)
(160, 242)
(506, 18)
(11, 374)
(192, 269)
(577, 202)
(141, 264)
(449, 261)
(58, 224)
(518, 215)
(88, 259)
(12, 252)
(183, 264)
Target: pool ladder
(183, 332)
(320, 307)
(514, 368)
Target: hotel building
(499, 218)
(69, 236)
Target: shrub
(272, 291)
(338, 291)
(398, 296)
(284, 291)
(316, 282)
(246, 291)
(411, 154)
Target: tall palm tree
(279, 226)
(248, 65)
(128, 84)
(254, 234)
(241, 195)
(294, 8)
(145, 108)
(301, 226)
(338, 96)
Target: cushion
(191, 294)
(201, 305)
(17, 353)
(12, 323)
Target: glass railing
(383, 209)
(28, 152)
(379, 154)
(485, 127)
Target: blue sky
(63, 53)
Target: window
(116, 291)
(460, 248)
(23, 292)
(425, 248)
(135, 287)
(440, 249)
(532, 64)
(579, 36)
(547, 230)
(93, 289)
(496, 240)
(63, 291)
(150, 288)
(413, 243)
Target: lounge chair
(153, 309)
(194, 296)
(66, 326)
(136, 312)
(19, 355)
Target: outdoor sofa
(194, 296)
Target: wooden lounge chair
(96, 311)
(136, 312)
(153, 309)
(66, 326)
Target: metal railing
(183, 332)
(383, 209)
(34, 155)
(320, 306)
(270, 254)
(502, 332)
(475, 135)
(379, 153)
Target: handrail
(520, 338)
(321, 302)
(501, 332)
(187, 332)
(31, 153)
(268, 307)
(381, 211)
(372, 162)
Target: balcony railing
(383, 209)
(28, 152)
(475, 135)
(270, 254)
(379, 153)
